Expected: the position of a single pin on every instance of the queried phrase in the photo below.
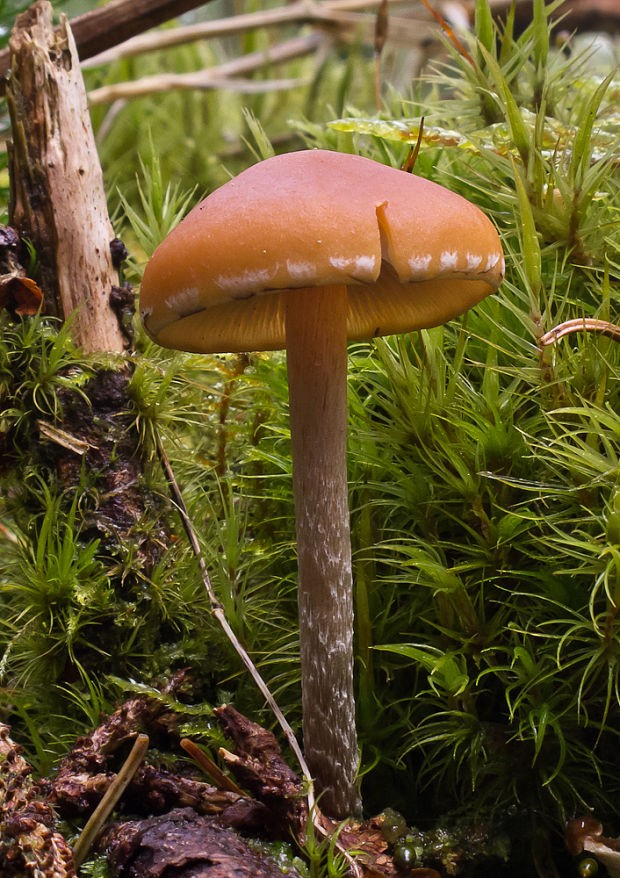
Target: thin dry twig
(257, 86)
(213, 77)
(218, 612)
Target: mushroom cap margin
(412, 254)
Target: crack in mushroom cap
(411, 253)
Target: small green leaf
(540, 30)
(484, 27)
(532, 262)
(582, 149)
(538, 719)
(507, 41)
(513, 114)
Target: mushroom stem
(316, 344)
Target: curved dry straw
(106, 805)
(580, 324)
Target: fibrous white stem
(317, 373)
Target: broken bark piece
(29, 844)
(181, 844)
(89, 753)
(157, 790)
(10, 247)
(57, 194)
(258, 765)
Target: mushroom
(580, 829)
(305, 251)
(586, 834)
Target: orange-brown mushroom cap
(411, 253)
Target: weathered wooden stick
(57, 194)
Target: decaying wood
(118, 20)
(191, 835)
(87, 771)
(90, 753)
(106, 806)
(57, 194)
(182, 844)
(258, 765)
(29, 845)
(97, 434)
(151, 791)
